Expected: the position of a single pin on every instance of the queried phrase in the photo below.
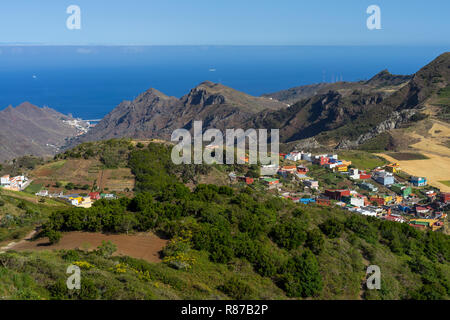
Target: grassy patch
(407, 156)
(381, 142)
(446, 182)
(33, 188)
(363, 160)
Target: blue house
(384, 178)
(405, 209)
(419, 181)
(307, 200)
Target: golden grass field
(432, 145)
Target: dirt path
(13, 245)
(144, 246)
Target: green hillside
(236, 243)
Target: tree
(332, 228)
(289, 234)
(53, 236)
(315, 241)
(301, 276)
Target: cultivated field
(83, 172)
(144, 246)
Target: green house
(402, 190)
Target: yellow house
(426, 222)
(79, 199)
(387, 199)
(342, 169)
(347, 163)
(393, 167)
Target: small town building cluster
(77, 200)
(17, 183)
(397, 202)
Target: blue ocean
(89, 81)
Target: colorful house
(94, 195)
(247, 180)
(418, 181)
(402, 190)
(341, 168)
(313, 184)
(294, 156)
(363, 175)
(445, 197)
(302, 169)
(307, 200)
(271, 181)
(384, 178)
(368, 186)
(393, 167)
(378, 200)
(323, 201)
(337, 194)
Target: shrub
(332, 228)
(315, 241)
(301, 276)
(106, 249)
(289, 234)
(236, 289)
(53, 236)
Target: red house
(94, 195)
(445, 197)
(364, 175)
(247, 180)
(337, 194)
(302, 170)
(321, 160)
(323, 201)
(377, 200)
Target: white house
(42, 193)
(307, 157)
(4, 181)
(357, 201)
(294, 156)
(269, 170)
(366, 212)
(313, 184)
(354, 173)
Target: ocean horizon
(89, 81)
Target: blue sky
(226, 22)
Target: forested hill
(241, 243)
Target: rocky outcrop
(308, 144)
(394, 121)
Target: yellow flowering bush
(84, 265)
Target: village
(381, 192)
(303, 178)
(20, 183)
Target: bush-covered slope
(234, 243)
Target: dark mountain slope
(155, 115)
(30, 130)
